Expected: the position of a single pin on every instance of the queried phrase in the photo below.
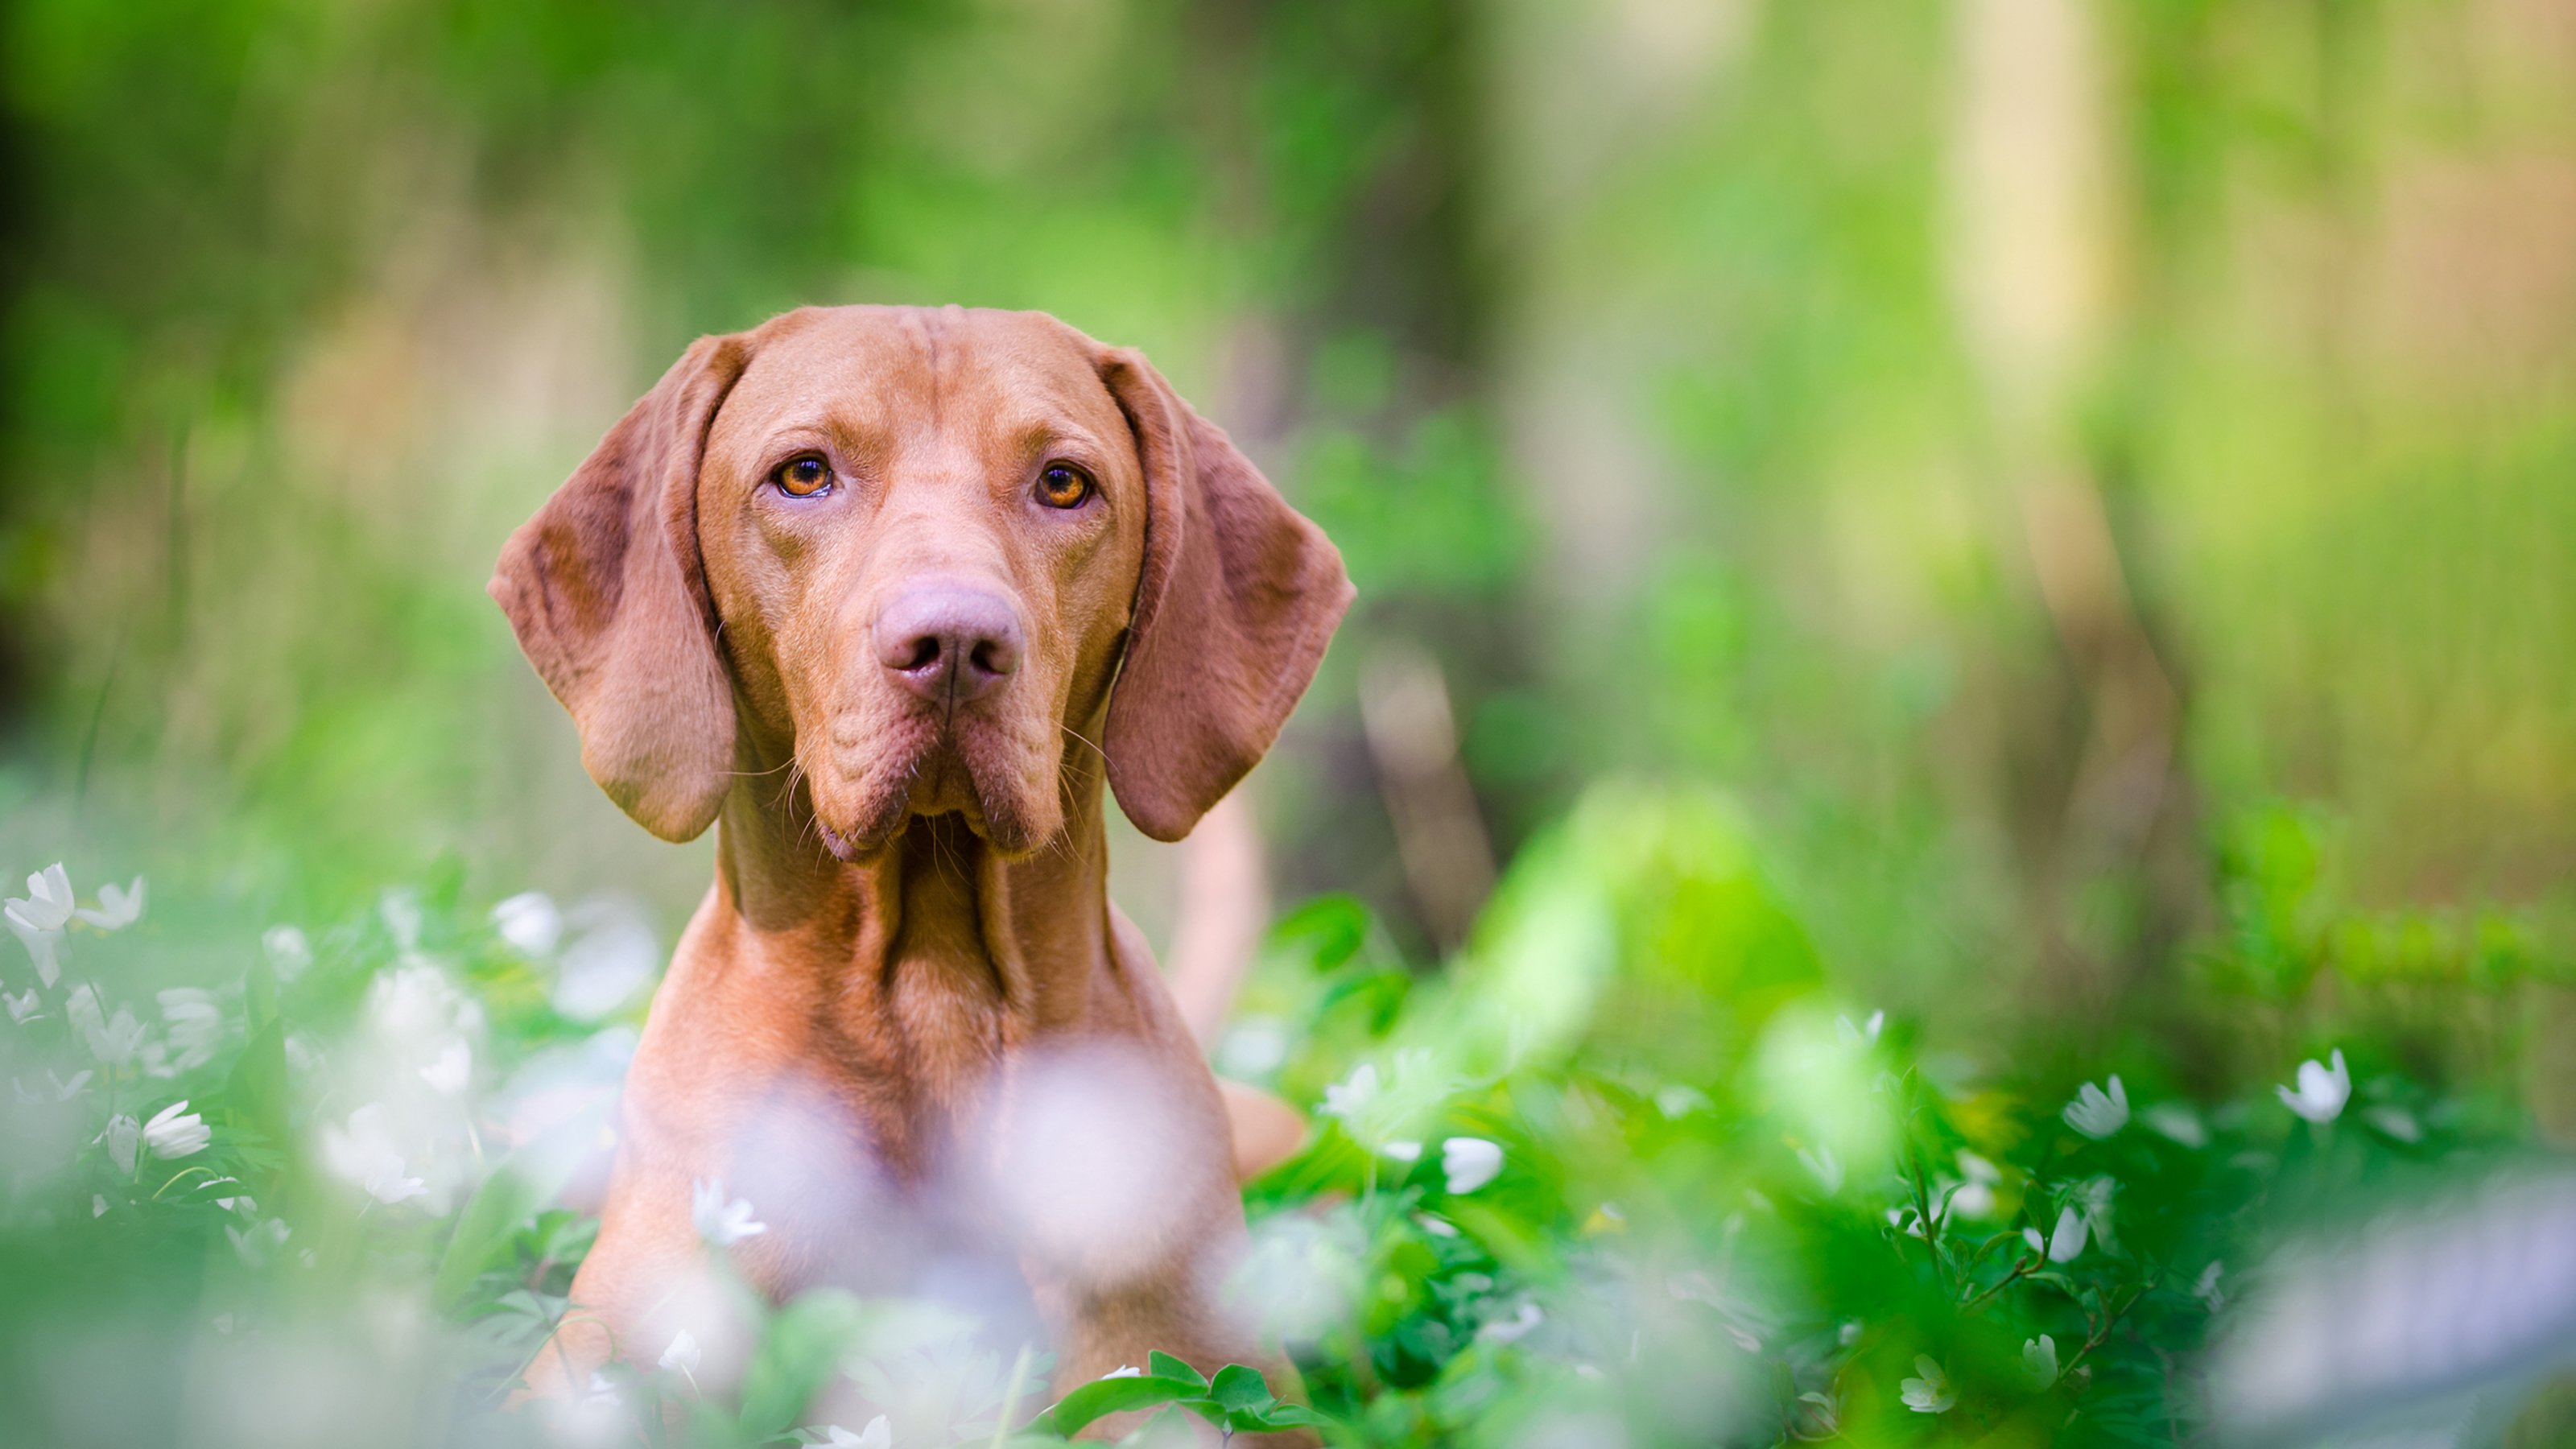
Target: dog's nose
(948, 642)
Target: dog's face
(920, 554)
(922, 536)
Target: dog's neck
(934, 924)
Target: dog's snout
(948, 642)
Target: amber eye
(1063, 485)
(804, 476)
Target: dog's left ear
(1236, 600)
(605, 590)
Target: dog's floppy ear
(605, 589)
(1236, 600)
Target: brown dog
(886, 593)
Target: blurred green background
(2089, 485)
(2022, 449)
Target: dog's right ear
(606, 591)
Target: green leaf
(1241, 1389)
(801, 1348)
(1103, 1397)
(1162, 1365)
(524, 1182)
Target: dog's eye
(1063, 485)
(805, 476)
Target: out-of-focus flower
(529, 922)
(1436, 1227)
(2322, 1090)
(1348, 1098)
(1402, 1150)
(1930, 1394)
(877, 1435)
(98, 1205)
(1124, 1371)
(2397, 1122)
(1865, 1034)
(196, 1026)
(1975, 1197)
(2039, 1360)
(22, 1009)
(47, 906)
(454, 1068)
(1510, 1330)
(63, 1091)
(2178, 1122)
(289, 953)
(399, 909)
(720, 1221)
(113, 1040)
(2066, 1243)
(2097, 1113)
(1827, 1167)
(1677, 1100)
(682, 1356)
(364, 1153)
(174, 1131)
(613, 957)
(257, 1245)
(2205, 1288)
(1470, 1163)
(117, 908)
(122, 1136)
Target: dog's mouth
(918, 775)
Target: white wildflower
(454, 1068)
(1930, 1394)
(289, 953)
(97, 1205)
(1827, 1167)
(529, 922)
(47, 905)
(2039, 1360)
(2178, 1122)
(2066, 1243)
(22, 1009)
(1976, 1197)
(1402, 1150)
(2206, 1289)
(1865, 1034)
(2321, 1092)
(122, 1136)
(2397, 1122)
(1124, 1371)
(196, 1026)
(682, 1356)
(400, 910)
(364, 1153)
(720, 1221)
(1470, 1163)
(117, 908)
(877, 1435)
(2096, 1113)
(1348, 1099)
(1509, 1330)
(174, 1131)
(113, 1040)
(1436, 1227)
(256, 1246)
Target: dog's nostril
(948, 643)
(991, 656)
(925, 652)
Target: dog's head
(922, 553)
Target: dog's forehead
(901, 369)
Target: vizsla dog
(885, 594)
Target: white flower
(1436, 1227)
(2397, 1122)
(2177, 1121)
(1402, 1150)
(1348, 1099)
(48, 903)
(2098, 1114)
(113, 1041)
(2322, 1090)
(116, 909)
(196, 1026)
(682, 1356)
(454, 1068)
(2205, 1288)
(721, 1222)
(1976, 1196)
(1827, 1167)
(1124, 1371)
(123, 1134)
(877, 1435)
(174, 1131)
(63, 1091)
(2039, 1360)
(1862, 1035)
(22, 1009)
(97, 1205)
(43, 947)
(2063, 1245)
(400, 910)
(529, 922)
(1470, 1162)
(1510, 1330)
(364, 1154)
(1930, 1394)
(255, 1247)
(289, 953)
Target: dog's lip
(842, 850)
